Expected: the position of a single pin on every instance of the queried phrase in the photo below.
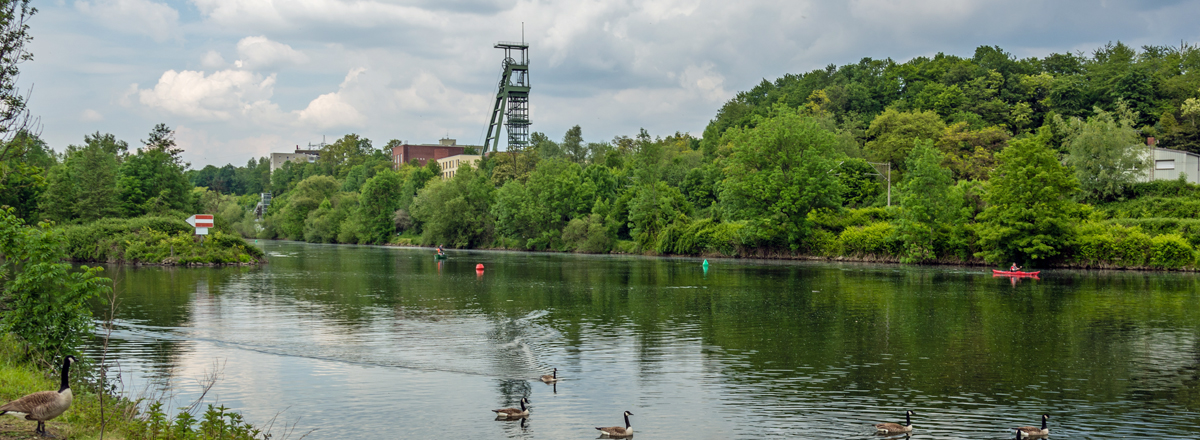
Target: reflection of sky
(429, 354)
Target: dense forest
(981, 159)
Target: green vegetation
(982, 159)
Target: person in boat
(439, 250)
(1014, 268)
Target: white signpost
(201, 222)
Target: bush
(155, 240)
(45, 301)
(587, 234)
(1171, 251)
(837, 220)
(1102, 244)
(877, 239)
(1189, 228)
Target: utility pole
(887, 177)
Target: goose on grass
(44, 405)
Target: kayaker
(1014, 268)
(439, 249)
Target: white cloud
(332, 109)
(200, 148)
(89, 115)
(157, 20)
(219, 96)
(259, 53)
(705, 82)
(213, 60)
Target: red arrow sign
(201, 220)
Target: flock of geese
(627, 430)
(45, 405)
(907, 427)
(605, 431)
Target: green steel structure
(512, 99)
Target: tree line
(982, 159)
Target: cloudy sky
(242, 78)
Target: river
(339, 341)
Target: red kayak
(1018, 273)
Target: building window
(1168, 164)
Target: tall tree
(573, 145)
(377, 207)
(778, 172)
(1030, 199)
(162, 138)
(929, 201)
(14, 116)
(893, 134)
(95, 171)
(1106, 152)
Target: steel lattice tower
(512, 99)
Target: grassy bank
(156, 240)
(123, 419)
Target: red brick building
(405, 153)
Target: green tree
(162, 138)
(861, 182)
(95, 173)
(1030, 200)
(14, 116)
(778, 172)
(544, 147)
(296, 206)
(517, 214)
(45, 299)
(893, 134)
(377, 207)
(654, 207)
(573, 146)
(930, 203)
(57, 201)
(152, 181)
(455, 212)
(23, 176)
(345, 153)
(1106, 152)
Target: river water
(371, 342)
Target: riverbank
(866, 259)
(156, 240)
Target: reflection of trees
(832, 327)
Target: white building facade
(1169, 164)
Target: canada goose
(1029, 431)
(550, 378)
(617, 431)
(513, 412)
(896, 428)
(44, 405)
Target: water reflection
(742, 349)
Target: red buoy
(479, 266)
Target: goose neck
(65, 372)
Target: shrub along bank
(156, 240)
